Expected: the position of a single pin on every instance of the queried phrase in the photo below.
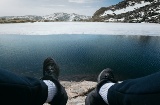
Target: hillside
(65, 17)
(19, 19)
(132, 11)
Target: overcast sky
(46, 7)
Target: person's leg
(140, 91)
(19, 90)
(95, 96)
(51, 73)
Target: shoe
(106, 74)
(51, 72)
(50, 68)
(94, 98)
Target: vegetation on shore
(3, 20)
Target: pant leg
(19, 90)
(140, 91)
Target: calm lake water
(128, 56)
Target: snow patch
(127, 9)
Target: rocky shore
(77, 91)
(77, 87)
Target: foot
(106, 74)
(51, 72)
(50, 68)
(94, 98)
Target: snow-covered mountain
(130, 11)
(48, 18)
(65, 17)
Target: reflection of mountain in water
(145, 39)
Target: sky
(47, 7)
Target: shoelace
(50, 69)
(109, 77)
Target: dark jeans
(140, 91)
(19, 90)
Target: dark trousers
(140, 91)
(19, 90)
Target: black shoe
(51, 72)
(94, 98)
(50, 68)
(106, 74)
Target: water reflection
(129, 56)
(144, 39)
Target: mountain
(27, 17)
(20, 19)
(133, 11)
(48, 18)
(65, 17)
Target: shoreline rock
(77, 91)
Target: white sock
(104, 91)
(52, 90)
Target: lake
(129, 56)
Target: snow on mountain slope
(48, 18)
(133, 11)
(127, 9)
(65, 17)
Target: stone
(77, 91)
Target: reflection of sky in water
(129, 56)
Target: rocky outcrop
(132, 11)
(77, 91)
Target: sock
(104, 91)
(52, 90)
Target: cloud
(88, 6)
(84, 1)
(45, 7)
(52, 5)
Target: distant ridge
(55, 17)
(130, 11)
(65, 17)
